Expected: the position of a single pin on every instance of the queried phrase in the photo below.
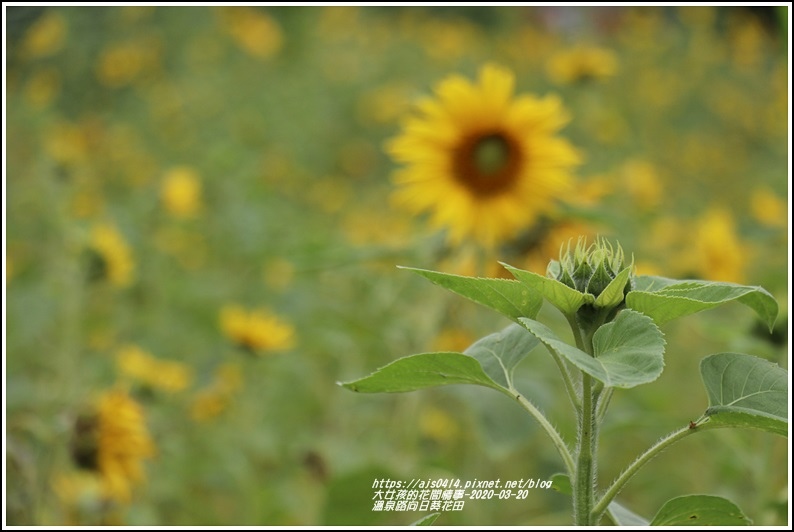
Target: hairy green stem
(562, 448)
(584, 484)
(641, 460)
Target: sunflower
(111, 441)
(484, 163)
(256, 330)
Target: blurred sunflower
(257, 330)
(485, 164)
(111, 258)
(581, 64)
(112, 441)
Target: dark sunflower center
(486, 164)
(491, 154)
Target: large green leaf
(499, 353)
(423, 371)
(561, 296)
(506, 296)
(628, 351)
(676, 299)
(746, 391)
(699, 510)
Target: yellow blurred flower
(45, 36)
(768, 208)
(68, 143)
(122, 63)
(214, 399)
(42, 87)
(483, 163)
(112, 441)
(124, 442)
(717, 252)
(580, 64)
(181, 192)
(253, 30)
(438, 425)
(641, 181)
(139, 365)
(83, 496)
(256, 330)
(453, 339)
(547, 244)
(115, 257)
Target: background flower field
(202, 241)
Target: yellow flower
(719, 254)
(581, 64)
(124, 443)
(112, 441)
(485, 164)
(45, 36)
(213, 400)
(641, 181)
(768, 208)
(122, 63)
(438, 425)
(181, 192)
(116, 262)
(166, 375)
(42, 87)
(253, 30)
(257, 330)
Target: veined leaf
(746, 391)
(563, 297)
(506, 296)
(677, 299)
(699, 510)
(500, 353)
(628, 351)
(423, 371)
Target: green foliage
(423, 371)
(628, 351)
(680, 298)
(699, 510)
(505, 296)
(746, 391)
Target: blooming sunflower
(256, 330)
(484, 163)
(112, 441)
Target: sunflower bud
(590, 269)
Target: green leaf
(427, 520)
(628, 351)
(562, 483)
(612, 295)
(563, 297)
(500, 353)
(682, 298)
(699, 510)
(423, 371)
(652, 283)
(746, 391)
(506, 296)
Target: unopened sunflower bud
(588, 269)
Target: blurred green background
(165, 163)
